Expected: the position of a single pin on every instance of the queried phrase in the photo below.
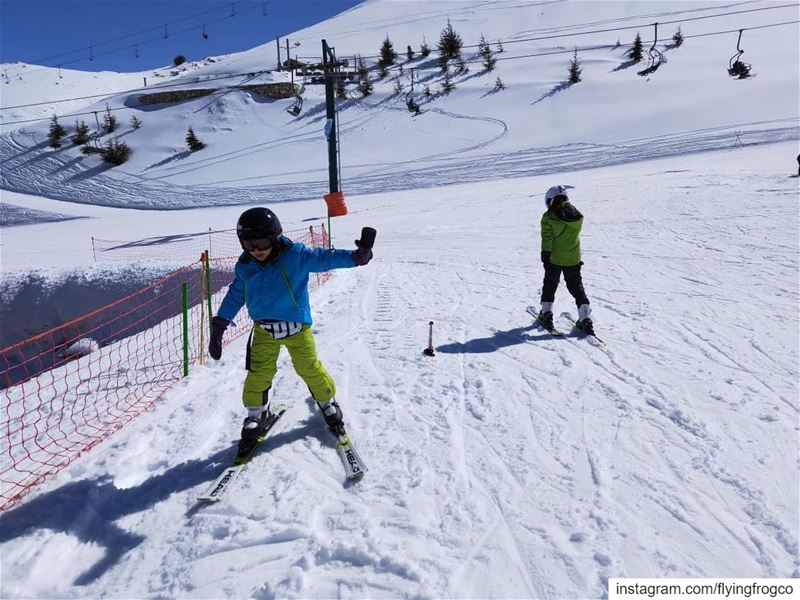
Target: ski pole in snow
(429, 350)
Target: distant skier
(561, 252)
(798, 165)
(271, 278)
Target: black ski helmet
(258, 223)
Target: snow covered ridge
(537, 124)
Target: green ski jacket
(561, 234)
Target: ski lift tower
(335, 198)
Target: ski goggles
(258, 244)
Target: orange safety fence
(64, 391)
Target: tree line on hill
(450, 47)
(114, 151)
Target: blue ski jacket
(278, 290)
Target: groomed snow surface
(511, 464)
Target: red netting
(66, 390)
(180, 247)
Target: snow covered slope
(511, 464)
(255, 149)
(31, 92)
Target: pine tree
(500, 49)
(365, 87)
(135, 122)
(388, 55)
(116, 152)
(361, 68)
(81, 133)
(499, 85)
(109, 121)
(575, 69)
(192, 141)
(677, 38)
(448, 85)
(635, 53)
(425, 50)
(56, 133)
(486, 52)
(364, 80)
(426, 91)
(398, 85)
(461, 66)
(450, 43)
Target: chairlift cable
(626, 27)
(234, 75)
(141, 42)
(123, 37)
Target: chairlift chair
(412, 105)
(737, 68)
(295, 108)
(654, 55)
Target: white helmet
(556, 190)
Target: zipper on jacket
(289, 285)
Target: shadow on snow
(499, 339)
(88, 509)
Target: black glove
(218, 327)
(362, 256)
(364, 253)
(545, 257)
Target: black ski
(229, 475)
(589, 336)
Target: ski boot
(585, 326)
(545, 319)
(252, 429)
(332, 415)
(584, 322)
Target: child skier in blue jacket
(271, 278)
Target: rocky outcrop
(174, 96)
(274, 91)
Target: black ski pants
(572, 277)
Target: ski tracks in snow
(511, 464)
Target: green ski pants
(262, 365)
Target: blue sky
(61, 32)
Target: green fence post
(185, 294)
(207, 264)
